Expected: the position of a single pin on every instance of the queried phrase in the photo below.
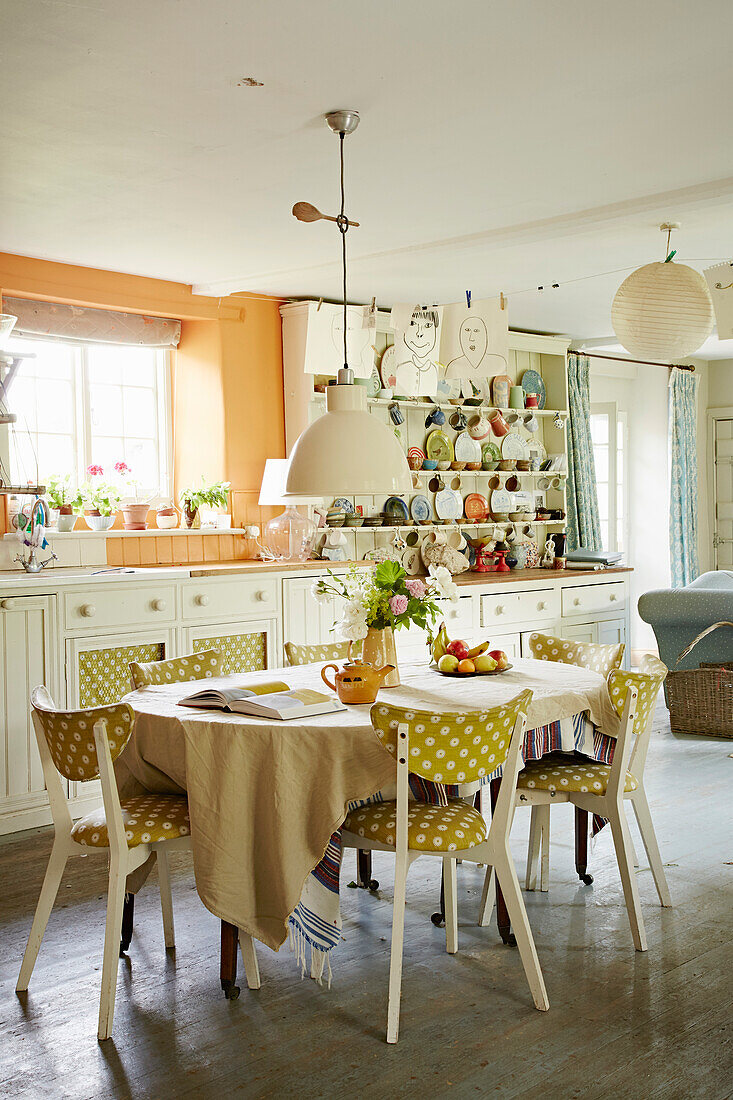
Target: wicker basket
(700, 700)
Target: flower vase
(191, 516)
(379, 650)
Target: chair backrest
(458, 747)
(196, 666)
(647, 682)
(597, 658)
(308, 654)
(69, 734)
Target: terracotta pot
(379, 650)
(135, 516)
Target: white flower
(353, 626)
(318, 594)
(446, 586)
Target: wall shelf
(467, 410)
(451, 525)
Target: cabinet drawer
(593, 598)
(228, 600)
(100, 608)
(534, 607)
(458, 616)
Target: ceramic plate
(490, 452)
(396, 508)
(532, 383)
(476, 507)
(467, 449)
(496, 672)
(448, 504)
(344, 505)
(387, 368)
(514, 445)
(502, 501)
(421, 509)
(375, 384)
(411, 562)
(537, 449)
(439, 446)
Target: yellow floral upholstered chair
(196, 666)
(82, 745)
(308, 654)
(448, 748)
(598, 658)
(602, 788)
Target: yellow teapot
(356, 682)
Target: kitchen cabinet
(244, 647)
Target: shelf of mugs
(549, 474)
(463, 524)
(427, 404)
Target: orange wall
(227, 385)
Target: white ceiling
(502, 145)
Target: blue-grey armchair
(678, 615)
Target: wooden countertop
(220, 569)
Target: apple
(466, 665)
(458, 648)
(484, 662)
(500, 657)
(448, 663)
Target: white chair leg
(509, 883)
(533, 849)
(486, 907)
(249, 958)
(450, 894)
(166, 901)
(622, 844)
(395, 962)
(113, 928)
(544, 819)
(49, 890)
(646, 828)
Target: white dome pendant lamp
(663, 310)
(347, 450)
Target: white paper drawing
(324, 351)
(417, 338)
(720, 285)
(474, 344)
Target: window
(608, 432)
(83, 404)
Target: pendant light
(347, 450)
(663, 310)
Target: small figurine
(548, 558)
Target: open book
(275, 704)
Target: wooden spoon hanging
(306, 212)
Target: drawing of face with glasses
(422, 332)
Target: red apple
(500, 657)
(458, 649)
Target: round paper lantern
(662, 311)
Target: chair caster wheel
(373, 885)
(586, 879)
(438, 920)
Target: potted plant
(381, 601)
(135, 511)
(65, 500)
(102, 500)
(215, 495)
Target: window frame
(616, 420)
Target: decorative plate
(448, 504)
(489, 452)
(387, 367)
(344, 505)
(396, 508)
(537, 449)
(496, 672)
(421, 509)
(411, 562)
(514, 445)
(500, 389)
(467, 449)
(475, 507)
(439, 446)
(502, 501)
(375, 384)
(532, 383)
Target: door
(27, 646)
(579, 632)
(306, 621)
(244, 647)
(510, 643)
(723, 493)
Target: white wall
(720, 383)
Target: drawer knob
(576, 601)
(7, 605)
(453, 614)
(261, 595)
(88, 610)
(612, 596)
(541, 605)
(499, 609)
(159, 605)
(202, 600)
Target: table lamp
(289, 536)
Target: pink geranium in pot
(135, 511)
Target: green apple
(448, 663)
(484, 663)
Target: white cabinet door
(579, 632)
(27, 658)
(244, 646)
(510, 643)
(305, 621)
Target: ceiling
(502, 146)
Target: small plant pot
(65, 521)
(191, 516)
(167, 518)
(135, 517)
(99, 523)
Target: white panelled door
(723, 489)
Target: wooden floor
(620, 1024)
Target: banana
(479, 649)
(440, 643)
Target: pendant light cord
(343, 223)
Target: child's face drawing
(357, 337)
(420, 336)
(473, 340)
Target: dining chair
(308, 654)
(448, 748)
(81, 745)
(178, 670)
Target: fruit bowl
(468, 675)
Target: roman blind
(81, 324)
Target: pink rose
(95, 471)
(416, 589)
(398, 604)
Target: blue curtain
(683, 501)
(583, 525)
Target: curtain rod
(643, 362)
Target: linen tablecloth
(266, 798)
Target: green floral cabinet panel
(104, 674)
(239, 652)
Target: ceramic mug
(516, 397)
(478, 427)
(499, 425)
(395, 413)
(435, 416)
(458, 420)
(531, 401)
(531, 423)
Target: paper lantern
(662, 311)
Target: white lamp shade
(272, 489)
(347, 452)
(662, 311)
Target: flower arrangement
(386, 597)
(131, 486)
(215, 495)
(62, 495)
(101, 496)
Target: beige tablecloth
(265, 796)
